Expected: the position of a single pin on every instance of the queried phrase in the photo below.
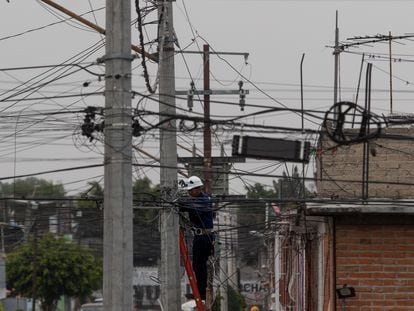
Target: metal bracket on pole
(192, 91)
(211, 92)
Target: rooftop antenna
(389, 45)
(336, 53)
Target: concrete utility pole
(170, 256)
(118, 261)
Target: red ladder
(190, 273)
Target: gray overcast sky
(274, 33)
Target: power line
(45, 26)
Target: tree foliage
(95, 193)
(147, 243)
(51, 267)
(145, 194)
(290, 187)
(258, 191)
(33, 187)
(252, 217)
(235, 301)
(146, 235)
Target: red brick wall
(378, 261)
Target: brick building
(366, 244)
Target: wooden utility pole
(207, 127)
(170, 256)
(118, 246)
(207, 159)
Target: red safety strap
(190, 273)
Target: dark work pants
(202, 249)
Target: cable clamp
(115, 56)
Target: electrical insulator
(190, 96)
(242, 94)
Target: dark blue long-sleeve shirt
(199, 210)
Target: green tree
(95, 193)
(90, 207)
(252, 217)
(290, 187)
(53, 267)
(147, 241)
(256, 211)
(145, 194)
(258, 191)
(32, 187)
(236, 301)
(146, 235)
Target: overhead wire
(70, 21)
(46, 26)
(254, 85)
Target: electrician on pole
(200, 213)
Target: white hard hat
(193, 182)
